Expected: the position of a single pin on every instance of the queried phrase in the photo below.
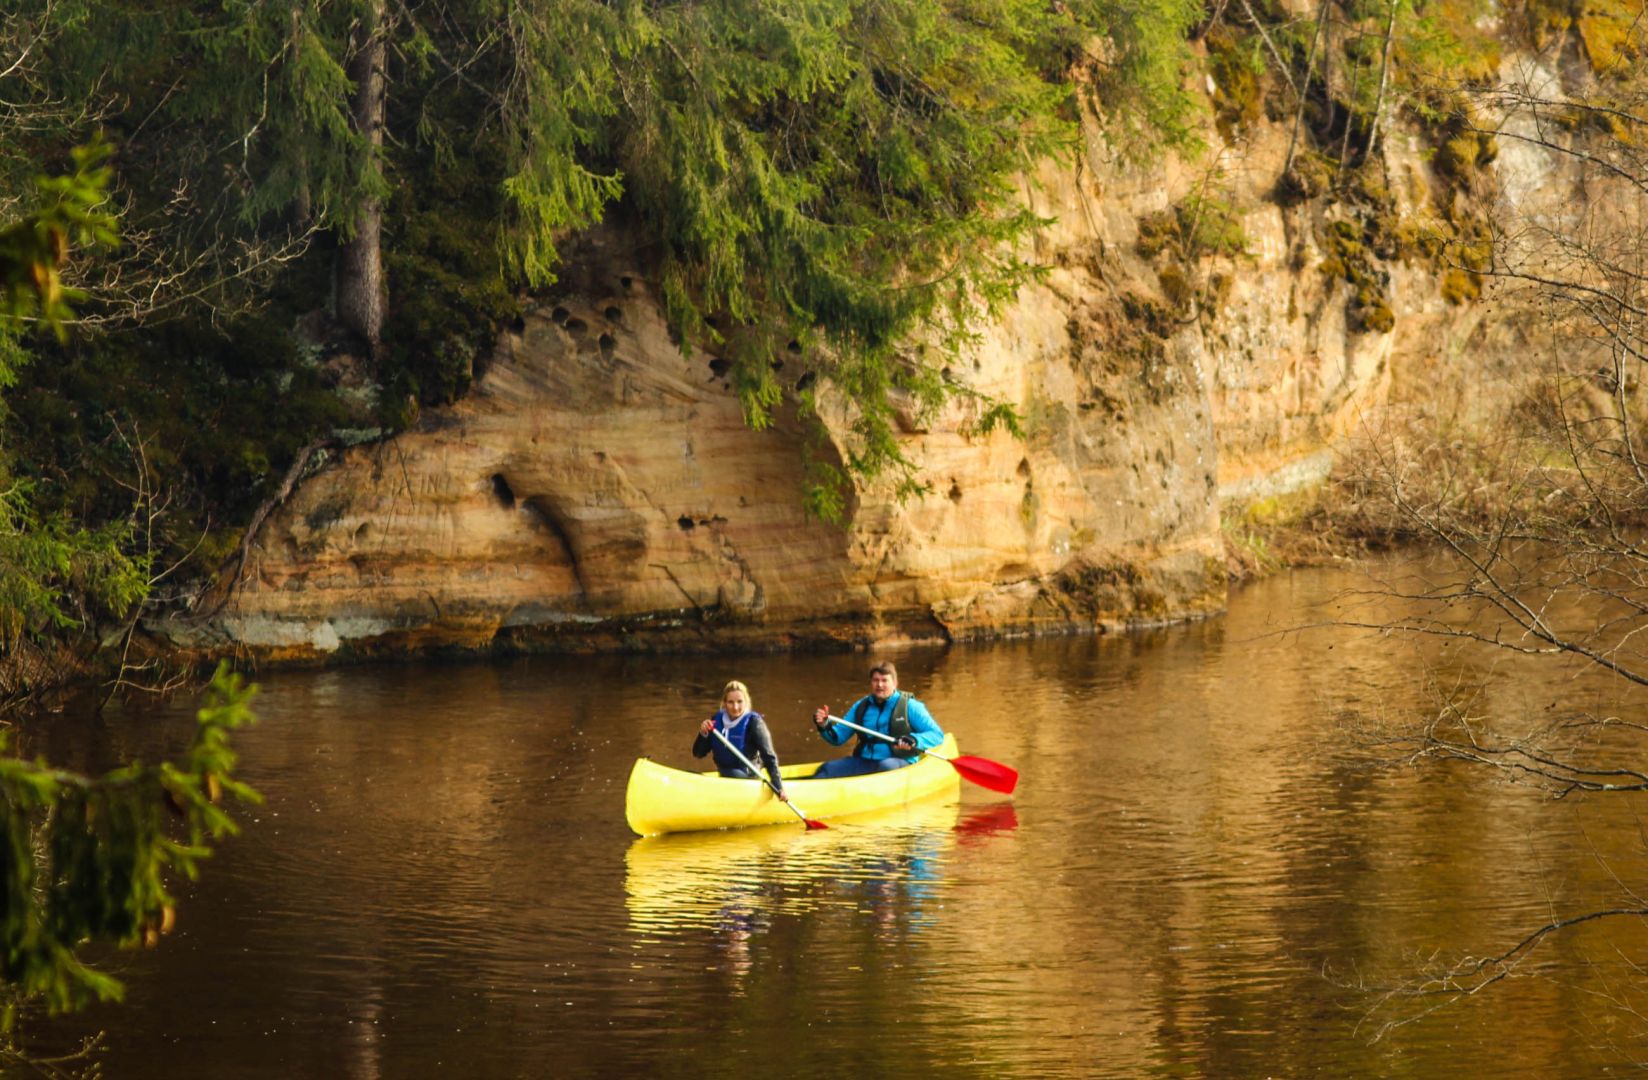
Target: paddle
(981, 771)
(748, 764)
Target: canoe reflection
(741, 879)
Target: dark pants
(738, 772)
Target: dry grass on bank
(1562, 467)
(1300, 529)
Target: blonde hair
(749, 703)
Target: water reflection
(889, 873)
(987, 821)
(695, 880)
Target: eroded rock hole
(503, 492)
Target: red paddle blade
(986, 773)
(811, 824)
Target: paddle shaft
(750, 765)
(882, 735)
(981, 771)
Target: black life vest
(898, 725)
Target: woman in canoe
(745, 729)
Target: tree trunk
(303, 208)
(1384, 74)
(360, 294)
(1281, 64)
(1310, 69)
(1350, 111)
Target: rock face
(599, 489)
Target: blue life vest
(736, 734)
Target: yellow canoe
(665, 800)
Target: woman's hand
(821, 716)
(707, 726)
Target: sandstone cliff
(599, 489)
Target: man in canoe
(886, 709)
(742, 726)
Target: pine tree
(835, 179)
(360, 294)
(49, 566)
(837, 174)
(86, 859)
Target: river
(1200, 875)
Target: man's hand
(821, 716)
(905, 745)
(783, 796)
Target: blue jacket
(923, 728)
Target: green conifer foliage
(86, 859)
(841, 174)
(838, 174)
(836, 184)
(223, 112)
(54, 571)
(70, 211)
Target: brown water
(1191, 881)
